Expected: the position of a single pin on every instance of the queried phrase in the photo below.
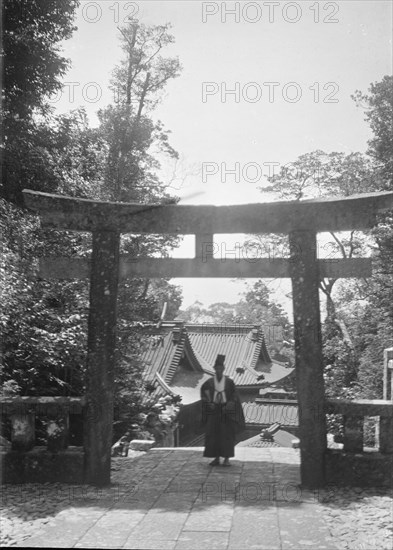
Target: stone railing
(354, 413)
(355, 464)
(23, 411)
(55, 460)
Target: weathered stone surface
(308, 353)
(155, 526)
(330, 214)
(40, 466)
(301, 527)
(202, 518)
(22, 431)
(255, 528)
(141, 444)
(359, 469)
(359, 518)
(57, 433)
(137, 512)
(136, 544)
(197, 540)
(100, 360)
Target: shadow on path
(172, 499)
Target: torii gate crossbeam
(300, 220)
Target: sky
(262, 83)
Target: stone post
(100, 359)
(353, 434)
(308, 353)
(23, 431)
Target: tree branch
(340, 244)
(351, 245)
(142, 98)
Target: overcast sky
(316, 54)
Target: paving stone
(210, 516)
(254, 528)
(301, 527)
(171, 502)
(137, 544)
(185, 487)
(44, 542)
(159, 526)
(175, 494)
(146, 494)
(199, 540)
(103, 537)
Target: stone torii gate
(300, 220)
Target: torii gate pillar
(101, 347)
(308, 352)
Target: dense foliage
(378, 105)
(354, 356)
(44, 322)
(33, 67)
(359, 321)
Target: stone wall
(366, 469)
(41, 466)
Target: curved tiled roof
(158, 354)
(243, 346)
(188, 385)
(247, 360)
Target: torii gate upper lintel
(300, 220)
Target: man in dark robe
(222, 414)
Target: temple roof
(180, 357)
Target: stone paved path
(170, 499)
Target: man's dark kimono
(222, 421)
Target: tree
(319, 174)
(33, 67)
(359, 321)
(131, 134)
(376, 327)
(195, 313)
(44, 323)
(354, 361)
(143, 73)
(32, 62)
(133, 143)
(41, 337)
(379, 113)
(130, 172)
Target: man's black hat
(220, 360)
